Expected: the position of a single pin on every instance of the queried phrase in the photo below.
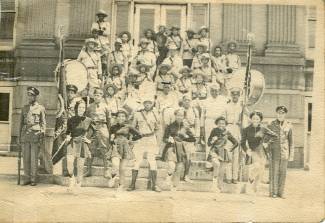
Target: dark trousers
(30, 160)
(278, 173)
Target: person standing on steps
(147, 122)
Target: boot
(149, 184)
(153, 174)
(89, 165)
(134, 179)
(107, 173)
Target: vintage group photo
(189, 110)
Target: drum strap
(188, 43)
(175, 42)
(99, 25)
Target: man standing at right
(282, 151)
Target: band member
(100, 116)
(145, 81)
(118, 57)
(175, 39)
(78, 137)
(199, 87)
(253, 142)
(189, 48)
(103, 49)
(281, 151)
(103, 27)
(213, 107)
(184, 84)
(166, 104)
(112, 100)
(116, 79)
(91, 59)
(32, 131)
(127, 47)
(233, 61)
(207, 69)
(149, 34)
(174, 60)
(175, 136)
(122, 136)
(220, 154)
(147, 122)
(218, 59)
(145, 56)
(201, 48)
(204, 37)
(72, 100)
(192, 121)
(164, 75)
(161, 39)
(233, 117)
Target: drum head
(76, 74)
(257, 84)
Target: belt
(148, 134)
(91, 67)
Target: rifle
(19, 163)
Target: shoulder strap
(145, 119)
(91, 58)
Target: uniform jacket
(283, 146)
(33, 122)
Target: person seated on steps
(220, 152)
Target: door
(5, 118)
(152, 15)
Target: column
(237, 23)
(281, 31)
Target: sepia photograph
(162, 111)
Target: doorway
(150, 16)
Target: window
(4, 107)
(311, 26)
(7, 20)
(310, 108)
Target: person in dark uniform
(32, 130)
(78, 135)
(220, 153)
(161, 39)
(253, 142)
(174, 136)
(122, 136)
(281, 151)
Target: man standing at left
(32, 130)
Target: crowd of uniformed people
(162, 100)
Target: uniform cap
(235, 90)
(282, 109)
(33, 90)
(102, 12)
(215, 87)
(110, 85)
(116, 65)
(122, 110)
(140, 65)
(202, 45)
(174, 27)
(72, 87)
(118, 40)
(232, 42)
(203, 28)
(185, 69)
(205, 55)
(164, 65)
(144, 40)
(190, 31)
(91, 40)
(98, 90)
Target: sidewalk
(304, 202)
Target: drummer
(233, 61)
(118, 57)
(91, 59)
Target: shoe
(169, 180)
(88, 174)
(274, 196)
(234, 181)
(153, 175)
(187, 179)
(33, 184)
(107, 174)
(111, 182)
(120, 188)
(26, 183)
(65, 173)
(156, 189)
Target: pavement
(53, 203)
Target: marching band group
(161, 101)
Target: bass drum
(76, 73)
(256, 88)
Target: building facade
(283, 49)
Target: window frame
(9, 44)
